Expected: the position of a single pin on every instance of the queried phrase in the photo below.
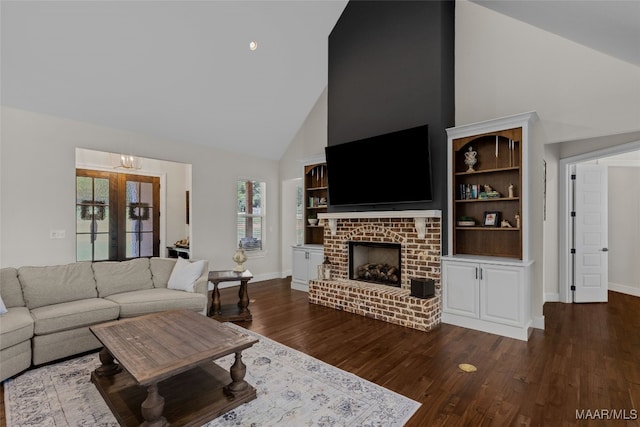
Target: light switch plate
(57, 234)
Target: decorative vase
(470, 159)
(239, 258)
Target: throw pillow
(3, 308)
(184, 275)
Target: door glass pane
(132, 246)
(146, 244)
(133, 193)
(139, 219)
(84, 250)
(138, 245)
(101, 247)
(90, 218)
(146, 193)
(101, 191)
(84, 189)
(96, 251)
(139, 192)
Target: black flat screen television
(393, 168)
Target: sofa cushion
(184, 275)
(161, 269)
(148, 301)
(11, 290)
(3, 308)
(63, 344)
(15, 326)
(114, 277)
(49, 285)
(74, 314)
(15, 359)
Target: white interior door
(591, 237)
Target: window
(250, 222)
(299, 215)
(117, 216)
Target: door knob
(605, 249)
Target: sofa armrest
(202, 284)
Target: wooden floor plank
(588, 358)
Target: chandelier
(126, 161)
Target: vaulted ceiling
(183, 70)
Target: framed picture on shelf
(491, 219)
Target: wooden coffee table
(169, 376)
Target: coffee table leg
(108, 367)
(238, 370)
(152, 408)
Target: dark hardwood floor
(587, 359)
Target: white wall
(624, 229)
(504, 66)
(37, 190)
(551, 254)
(309, 142)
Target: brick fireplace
(418, 235)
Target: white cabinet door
(305, 266)
(315, 259)
(501, 294)
(461, 288)
(299, 265)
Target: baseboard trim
(624, 289)
(552, 297)
(538, 322)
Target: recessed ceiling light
(253, 45)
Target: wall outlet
(57, 234)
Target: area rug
(293, 389)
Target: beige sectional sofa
(50, 309)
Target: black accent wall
(391, 67)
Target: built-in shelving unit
(498, 156)
(486, 275)
(315, 191)
(307, 256)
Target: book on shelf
(469, 191)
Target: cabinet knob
(605, 249)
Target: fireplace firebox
(375, 262)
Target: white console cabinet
(487, 295)
(306, 259)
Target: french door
(117, 216)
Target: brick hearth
(420, 254)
